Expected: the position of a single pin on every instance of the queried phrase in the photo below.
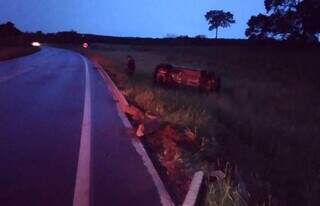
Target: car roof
(177, 67)
(186, 68)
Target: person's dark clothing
(131, 66)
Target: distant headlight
(36, 44)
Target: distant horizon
(164, 37)
(125, 18)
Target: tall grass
(222, 193)
(266, 117)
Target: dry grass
(222, 193)
(265, 117)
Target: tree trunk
(217, 32)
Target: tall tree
(259, 27)
(219, 18)
(309, 11)
(281, 6)
(286, 19)
(8, 29)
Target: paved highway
(62, 142)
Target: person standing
(131, 66)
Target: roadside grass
(7, 52)
(171, 105)
(265, 120)
(222, 193)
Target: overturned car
(166, 74)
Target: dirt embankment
(14, 52)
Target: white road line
(194, 189)
(82, 187)
(164, 196)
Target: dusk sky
(143, 18)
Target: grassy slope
(266, 115)
(13, 52)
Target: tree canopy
(286, 20)
(219, 18)
(8, 30)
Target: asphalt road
(60, 130)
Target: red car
(170, 75)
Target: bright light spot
(85, 45)
(36, 44)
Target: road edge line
(121, 104)
(82, 186)
(192, 196)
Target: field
(264, 121)
(7, 52)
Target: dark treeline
(10, 35)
